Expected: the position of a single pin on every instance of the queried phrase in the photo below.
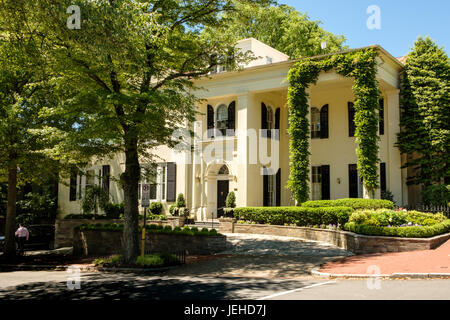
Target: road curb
(397, 275)
(13, 267)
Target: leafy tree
(425, 121)
(95, 197)
(22, 95)
(283, 28)
(124, 81)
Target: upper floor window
(381, 116)
(269, 118)
(351, 119)
(224, 120)
(319, 122)
(315, 123)
(270, 121)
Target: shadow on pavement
(132, 287)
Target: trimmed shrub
(300, 216)
(114, 210)
(352, 203)
(156, 208)
(152, 228)
(404, 232)
(386, 217)
(230, 201)
(181, 202)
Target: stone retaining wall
(95, 242)
(356, 243)
(64, 227)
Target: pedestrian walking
(22, 235)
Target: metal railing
(430, 209)
(179, 255)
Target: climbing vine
(361, 66)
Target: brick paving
(423, 261)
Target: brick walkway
(426, 261)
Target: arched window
(223, 170)
(222, 119)
(315, 123)
(270, 123)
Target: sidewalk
(435, 261)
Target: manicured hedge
(89, 216)
(404, 232)
(352, 203)
(152, 228)
(300, 216)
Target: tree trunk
(130, 181)
(10, 242)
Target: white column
(242, 149)
(196, 168)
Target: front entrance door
(222, 192)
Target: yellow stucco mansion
(232, 149)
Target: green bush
(151, 228)
(230, 201)
(156, 208)
(386, 217)
(352, 203)
(300, 216)
(437, 195)
(153, 217)
(172, 209)
(114, 210)
(404, 232)
(181, 202)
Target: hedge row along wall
(403, 232)
(300, 216)
(361, 66)
(352, 203)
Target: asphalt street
(53, 285)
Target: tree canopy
(425, 121)
(283, 28)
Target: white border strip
(295, 290)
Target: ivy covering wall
(362, 67)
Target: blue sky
(402, 21)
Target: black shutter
(231, 119)
(381, 115)
(106, 177)
(73, 186)
(277, 124)
(265, 188)
(278, 184)
(383, 176)
(353, 181)
(324, 122)
(325, 182)
(263, 120)
(210, 120)
(351, 119)
(171, 181)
